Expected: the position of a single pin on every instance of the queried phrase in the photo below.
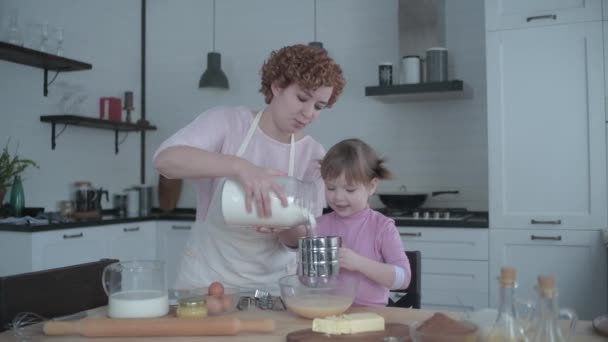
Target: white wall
(430, 145)
(104, 34)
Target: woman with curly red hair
(251, 147)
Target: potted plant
(11, 166)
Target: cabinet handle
(533, 221)
(181, 227)
(538, 17)
(418, 234)
(552, 238)
(72, 236)
(134, 229)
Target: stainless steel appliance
(427, 214)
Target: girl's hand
(257, 183)
(348, 259)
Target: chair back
(413, 293)
(54, 292)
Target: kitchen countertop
(106, 219)
(478, 220)
(286, 323)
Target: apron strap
(254, 125)
(292, 156)
(250, 132)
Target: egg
(216, 289)
(214, 305)
(227, 303)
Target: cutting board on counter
(390, 329)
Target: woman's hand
(348, 259)
(270, 229)
(257, 183)
(288, 236)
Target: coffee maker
(88, 200)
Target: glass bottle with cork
(507, 327)
(545, 327)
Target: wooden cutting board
(390, 329)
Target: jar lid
(410, 56)
(387, 63)
(191, 301)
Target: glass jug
(136, 289)
(508, 327)
(545, 325)
(301, 198)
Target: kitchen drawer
(132, 241)
(66, 247)
(455, 275)
(446, 243)
(510, 14)
(453, 301)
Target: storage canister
(410, 69)
(437, 64)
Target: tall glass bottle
(507, 327)
(17, 199)
(546, 326)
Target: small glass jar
(191, 307)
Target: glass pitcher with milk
(136, 289)
(301, 198)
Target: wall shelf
(86, 121)
(454, 89)
(21, 55)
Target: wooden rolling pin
(131, 327)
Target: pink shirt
(372, 235)
(223, 129)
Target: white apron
(236, 256)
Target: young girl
(371, 253)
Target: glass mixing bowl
(331, 298)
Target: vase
(17, 199)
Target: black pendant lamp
(213, 77)
(316, 42)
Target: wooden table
(286, 322)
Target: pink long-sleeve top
(374, 236)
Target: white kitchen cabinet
(454, 266)
(509, 14)
(605, 26)
(546, 127)
(446, 243)
(171, 241)
(22, 252)
(60, 248)
(576, 258)
(132, 241)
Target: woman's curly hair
(310, 67)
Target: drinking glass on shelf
(14, 31)
(44, 37)
(59, 32)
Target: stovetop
(438, 214)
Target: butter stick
(349, 323)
